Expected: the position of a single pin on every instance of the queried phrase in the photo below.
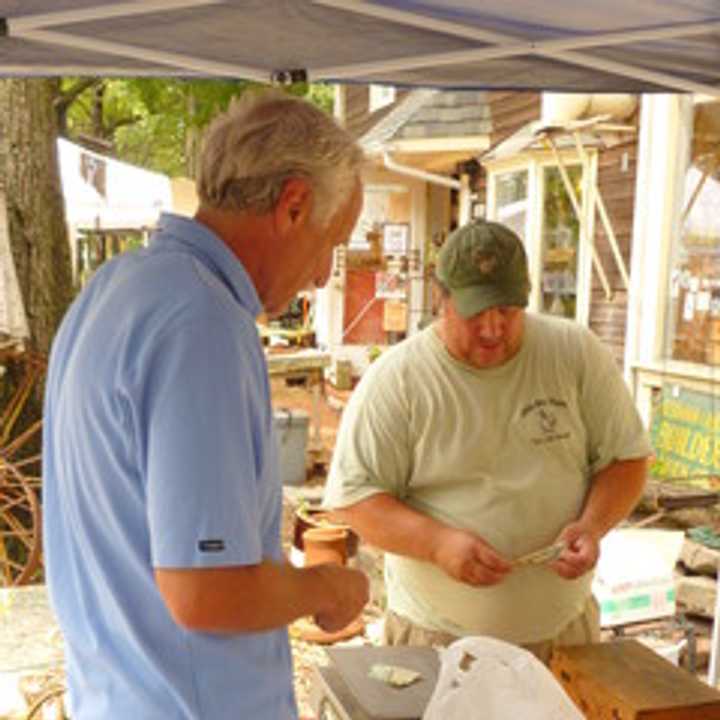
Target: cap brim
(475, 299)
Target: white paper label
(689, 307)
(703, 301)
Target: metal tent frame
(653, 45)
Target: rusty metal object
(20, 527)
(20, 513)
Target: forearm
(243, 598)
(391, 525)
(614, 493)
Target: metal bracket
(289, 77)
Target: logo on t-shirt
(544, 417)
(214, 545)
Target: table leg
(316, 438)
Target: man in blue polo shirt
(161, 485)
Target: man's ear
(294, 206)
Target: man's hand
(346, 591)
(466, 557)
(582, 549)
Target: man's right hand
(346, 591)
(466, 557)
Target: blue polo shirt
(159, 453)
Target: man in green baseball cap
(482, 272)
(484, 265)
(487, 455)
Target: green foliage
(156, 122)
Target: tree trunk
(35, 208)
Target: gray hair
(266, 138)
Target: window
(531, 197)
(692, 330)
(511, 191)
(381, 96)
(559, 243)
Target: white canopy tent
(590, 46)
(563, 45)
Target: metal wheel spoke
(20, 514)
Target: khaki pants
(583, 630)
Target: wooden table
(308, 365)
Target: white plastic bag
(486, 679)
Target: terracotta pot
(325, 545)
(315, 518)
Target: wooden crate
(625, 680)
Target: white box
(634, 576)
(635, 602)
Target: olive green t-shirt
(506, 452)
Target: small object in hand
(541, 557)
(394, 675)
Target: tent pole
(599, 203)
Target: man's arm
(386, 522)
(614, 492)
(260, 597)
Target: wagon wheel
(20, 527)
(20, 515)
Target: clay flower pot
(325, 545)
(306, 518)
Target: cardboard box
(634, 577)
(395, 316)
(635, 602)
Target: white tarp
(101, 192)
(13, 321)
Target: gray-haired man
(161, 485)
(490, 435)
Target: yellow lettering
(700, 449)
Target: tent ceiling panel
(303, 35)
(518, 73)
(594, 45)
(22, 57)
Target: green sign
(685, 432)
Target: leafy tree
(155, 123)
(34, 204)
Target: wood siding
(510, 111)
(617, 169)
(358, 119)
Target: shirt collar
(209, 249)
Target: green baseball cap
(484, 265)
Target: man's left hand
(582, 549)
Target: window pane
(380, 96)
(511, 200)
(694, 294)
(560, 242)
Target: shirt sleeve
(372, 453)
(615, 430)
(204, 420)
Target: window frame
(535, 163)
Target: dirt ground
(306, 654)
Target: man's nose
(491, 323)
